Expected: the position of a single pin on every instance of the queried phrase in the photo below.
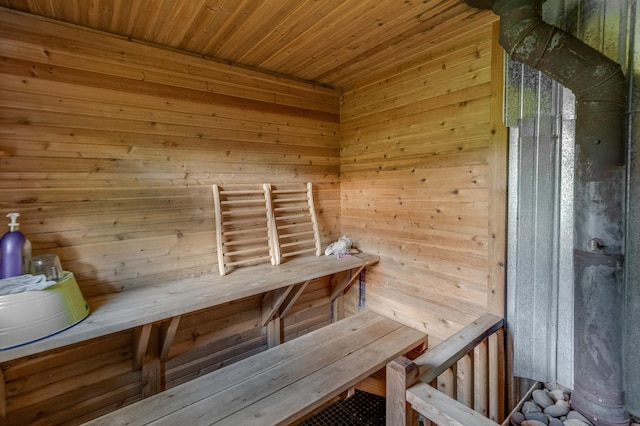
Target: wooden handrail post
(401, 374)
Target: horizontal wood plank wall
(415, 180)
(67, 384)
(108, 149)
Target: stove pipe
(599, 190)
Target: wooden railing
(459, 382)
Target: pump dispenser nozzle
(13, 225)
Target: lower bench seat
(282, 384)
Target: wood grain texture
(280, 385)
(330, 42)
(109, 150)
(416, 170)
(110, 146)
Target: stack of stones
(549, 406)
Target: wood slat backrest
(296, 224)
(260, 222)
(243, 225)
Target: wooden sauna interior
(117, 117)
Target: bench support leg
(141, 337)
(274, 336)
(152, 366)
(401, 374)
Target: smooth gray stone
(541, 398)
(556, 410)
(537, 416)
(557, 395)
(530, 407)
(555, 422)
(517, 418)
(533, 423)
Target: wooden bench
(139, 308)
(278, 386)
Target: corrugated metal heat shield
(541, 117)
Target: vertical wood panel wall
(415, 178)
(108, 149)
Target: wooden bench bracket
(141, 337)
(272, 301)
(168, 334)
(339, 289)
(298, 289)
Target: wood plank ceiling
(332, 42)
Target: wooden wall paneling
(127, 139)
(498, 172)
(62, 385)
(304, 322)
(110, 148)
(456, 79)
(415, 182)
(338, 309)
(89, 109)
(111, 50)
(450, 27)
(315, 294)
(311, 310)
(329, 42)
(202, 361)
(214, 325)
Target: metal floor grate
(362, 409)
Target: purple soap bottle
(11, 246)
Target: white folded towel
(26, 282)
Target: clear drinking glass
(47, 264)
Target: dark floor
(362, 409)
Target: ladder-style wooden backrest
(243, 225)
(260, 222)
(296, 224)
